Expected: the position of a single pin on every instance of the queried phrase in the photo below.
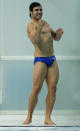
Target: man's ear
(31, 13)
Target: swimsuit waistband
(46, 57)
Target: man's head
(35, 9)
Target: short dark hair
(32, 5)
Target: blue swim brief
(47, 60)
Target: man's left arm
(57, 34)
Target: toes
(27, 122)
(49, 123)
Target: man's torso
(45, 46)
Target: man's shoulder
(46, 22)
(30, 25)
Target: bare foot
(49, 122)
(27, 121)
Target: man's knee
(36, 89)
(52, 89)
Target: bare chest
(46, 34)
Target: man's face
(37, 13)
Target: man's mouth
(39, 15)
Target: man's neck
(34, 20)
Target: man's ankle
(47, 117)
(29, 117)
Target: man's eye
(36, 10)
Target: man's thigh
(39, 74)
(52, 75)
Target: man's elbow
(36, 40)
(33, 40)
(57, 39)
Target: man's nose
(39, 11)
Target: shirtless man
(45, 64)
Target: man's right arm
(34, 34)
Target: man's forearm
(37, 36)
(57, 36)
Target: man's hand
(59, 31)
